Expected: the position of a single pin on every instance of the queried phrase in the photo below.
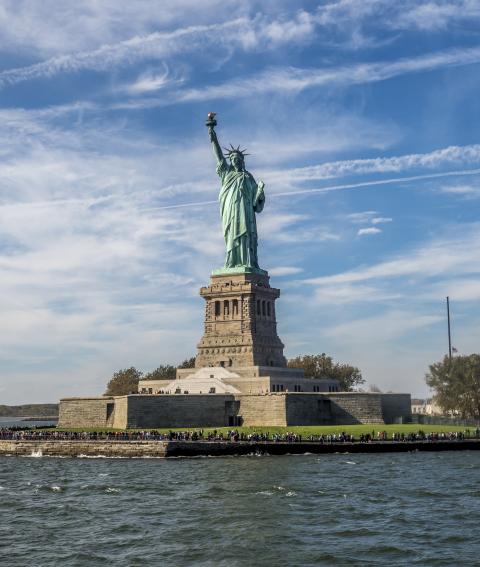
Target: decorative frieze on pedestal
(240, 323)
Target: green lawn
(305, 431)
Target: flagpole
(449, 335)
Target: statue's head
(236, 157)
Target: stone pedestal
(240, 323)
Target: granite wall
(396, 408)
(345, 408)
(217, 410)
(86, 412)
(349, 408)
(307, 409)
(178, 410)
(260, 410)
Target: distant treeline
(29, 410)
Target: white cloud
(240, 33)
(341, 294)
(379, 329)
(381, 220)
(299, 28)
(150, 82)
(354, 19)
(369, 230)
(437, 15)
(291, 228)
(459, 255)
(284, 271)
(390, 181)
(469, 154)
(295, 80)
(161, 46)
(458, 289)
(317, 131)
(157, 45)
(50, 27)
(119, 33)
(466, 191)
(363, 216)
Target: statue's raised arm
(240, 198)
(217, 150)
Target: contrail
(338, 187)
(380, 182)
(182, 205)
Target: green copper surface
(241, 197)
(239, 270)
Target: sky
(361, 117)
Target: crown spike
(234, 150)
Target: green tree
(123, 382)
(162, 372)
(456, 384)
(167, 371)
(322, 366)
(188, 363)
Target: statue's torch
(211, 122)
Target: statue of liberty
(240, 198)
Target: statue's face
(237, 161)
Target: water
(405, 509)
(20, 422)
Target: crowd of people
(32, 434)
(233, 436)
(435, 436)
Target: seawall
(89, 448)
(215, 448)
(67, 448)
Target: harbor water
(383, 509)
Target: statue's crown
(232, 150)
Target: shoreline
(154, 448)
(21, 418)
(39, 419)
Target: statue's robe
(240, 198)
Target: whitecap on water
(83, 456)
(350, 463)
(154, 457)
(110, 490)
(265, 492)
(279, 487)
(104, 474)
(291, 493)
(56, 488)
